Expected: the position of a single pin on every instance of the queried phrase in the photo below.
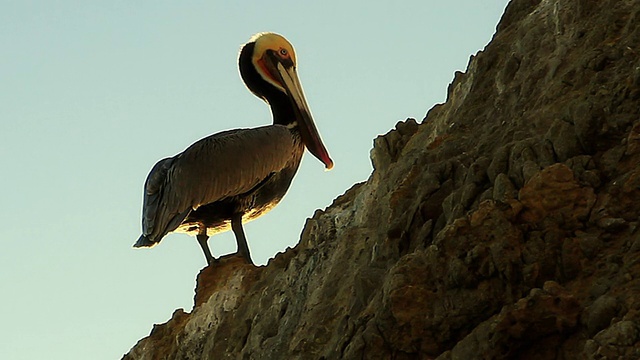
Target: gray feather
(216, 167)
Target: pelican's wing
(154, 188)
(219, 166)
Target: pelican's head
(268, 67)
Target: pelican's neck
(282, 110)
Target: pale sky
(93, 93)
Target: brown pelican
(234, 176)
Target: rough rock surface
(503, 226)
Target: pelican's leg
(243, 248)
(202, 240)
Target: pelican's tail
(143, 241)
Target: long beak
(307, 127)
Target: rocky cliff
(505, 225)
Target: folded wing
(217, 167)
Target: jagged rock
(616, 342)
(554, 195)
(599, 315)
(505, 225)
(388, 148)
(543, 316)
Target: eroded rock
(505, 225)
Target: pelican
(235, 176)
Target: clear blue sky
(93, 93)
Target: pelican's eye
(284, 52)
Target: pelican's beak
(307, 127)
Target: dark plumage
(237, 175)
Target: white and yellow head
(268, 67)
(269, 47)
